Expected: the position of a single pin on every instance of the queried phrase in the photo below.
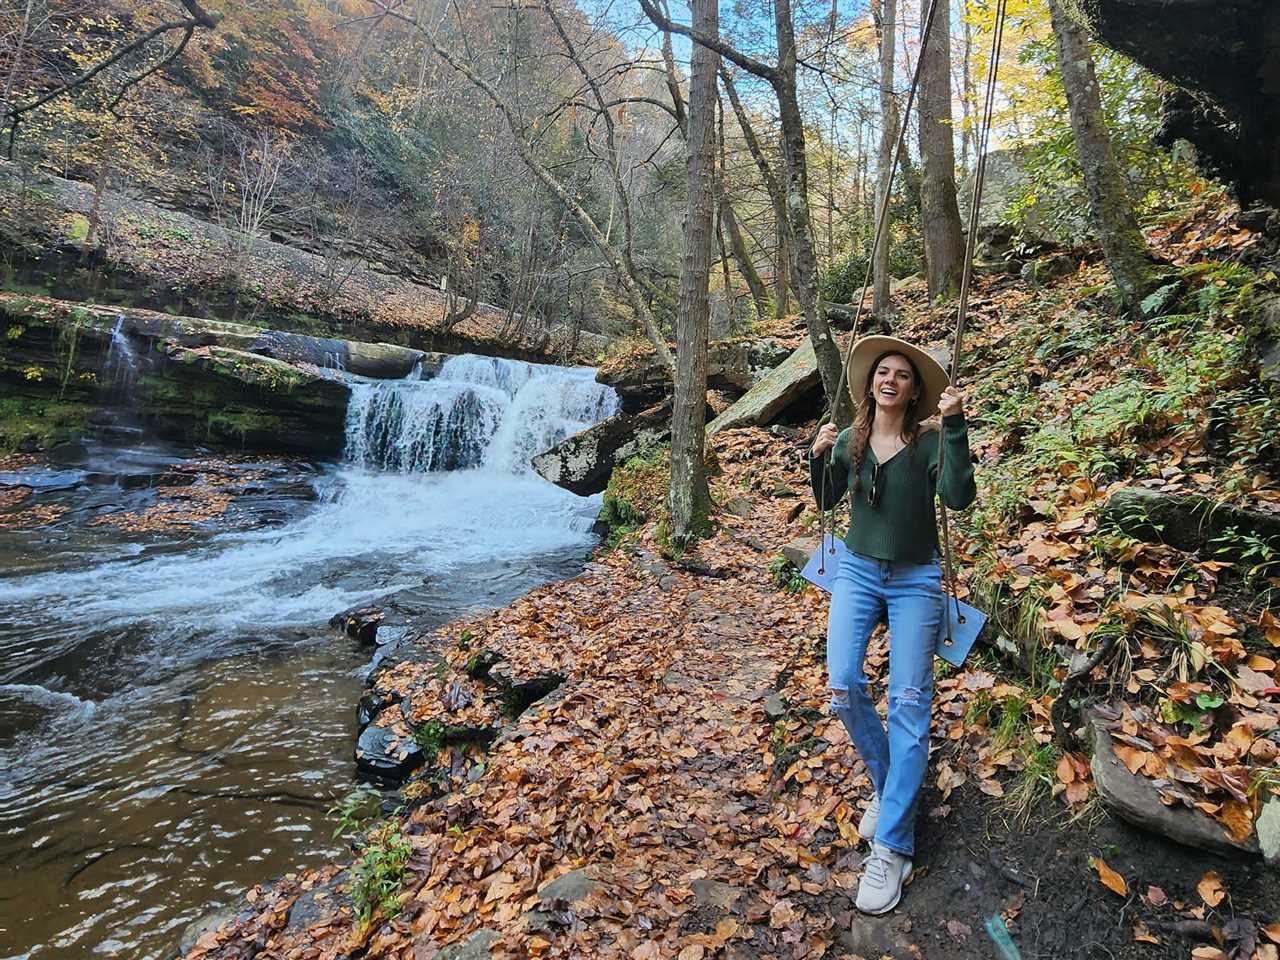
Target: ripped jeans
(910, 594)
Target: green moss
(28, 424)
(77, 227)
(637, 492)
(241, 423)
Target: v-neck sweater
(902, 526)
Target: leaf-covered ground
(683, 791)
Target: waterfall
(120, 363)
(476, 412)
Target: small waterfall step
(475, 412)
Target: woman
(888, 461)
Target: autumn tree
(940, 213)
(1123, 246)
(690, 499)
(782, 79)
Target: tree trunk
(800, 233)
(741, 257)
(1123, 246)
(782, 270)
(940, 214)
(690, 499)
(969, 95)
(886, 13)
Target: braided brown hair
(866, 416)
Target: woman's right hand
(826, 440)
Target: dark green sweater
(903, 525)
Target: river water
(175, 717)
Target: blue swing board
(965, 621)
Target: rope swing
(962, 311)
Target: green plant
(379, 873)
(464, 641)
(355, 811)
(430, 737)
(1259, 557)
(786, 577)
(1035, 782)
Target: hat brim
(869, 349)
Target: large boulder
(583, 463)
(737, 365)
(1184, 521)
(1005, 182)
(791, 380)
(1221, 54)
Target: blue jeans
(910, 594)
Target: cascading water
(477, 411)
(171, 711)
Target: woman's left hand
(951, 402)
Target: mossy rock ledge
(200, 381)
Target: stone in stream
(361, 624)
(583, 463)
(386, 756)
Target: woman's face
(893, 385)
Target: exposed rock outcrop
(1184, 521)
(782, 386)
(737, 365)
(1137, 799)
(582, 463)
(1225, 55)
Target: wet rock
(1136, 799)
(360, 624)
(1266, 340)
(786, 384)
(385, 756)
(1184, 521)
(209, 922)
(583, 463)
(372, 703)
(319, 903)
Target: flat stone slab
(1135, 799)
(570, 888)
(476, 948)
(799, 552)
(777, 390)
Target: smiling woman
(889, 462)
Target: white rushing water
(437, 477)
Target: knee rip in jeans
(908, 696)
(839, 698)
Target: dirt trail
(685, 793)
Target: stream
(175, 714)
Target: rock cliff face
(1224, 55)
(68, 368)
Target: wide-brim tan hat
(932, 371)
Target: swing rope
(962, 311)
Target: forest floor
(684, 792)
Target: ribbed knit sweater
(902, 525)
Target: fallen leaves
(1210, 889)
(1110, 879)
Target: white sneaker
(883, 875)
(870, 820)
